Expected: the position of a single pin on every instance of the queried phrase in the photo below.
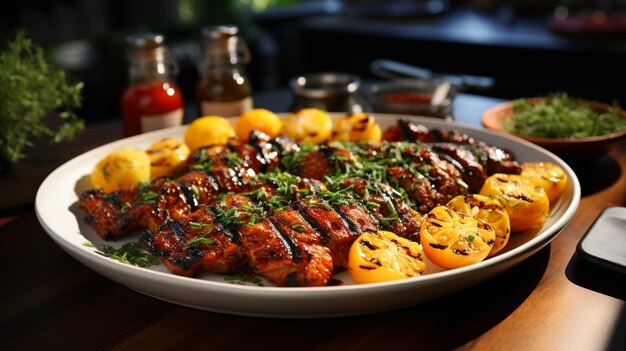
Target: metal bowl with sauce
(428, 98)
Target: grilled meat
(211, 171)
(286, 250)
(494, 159)
(291, 213)
(207, 239)
(387, 206)
(299, 245)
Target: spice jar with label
(224, 87)
(152, 100)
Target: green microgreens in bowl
(560, 116)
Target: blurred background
(530, 47)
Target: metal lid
(325, 84)
(145, 41)
(219, 32)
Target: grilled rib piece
(212, 171)
(494, 159)
(388, 207)
(208, 239)
(286, 250)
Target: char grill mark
(418, 187)
(389, 209)
(286, 250)
(203, 240)
(331, 226)
(319, 163)
(442, 174)
(494, 159)
(473, 171)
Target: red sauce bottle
(152, 99)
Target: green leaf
(32, 90)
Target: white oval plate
(58, 212)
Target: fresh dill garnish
(130, 253)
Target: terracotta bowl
(573, 149)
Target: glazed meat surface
(290, 213)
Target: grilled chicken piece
(115, 214)
(418, 187)
(494, 159)
(442, 174)
(474, 172)
(337, 225)
(286, 250)
(212, 171)
(318, 162)
(208, 239)
(388, 207)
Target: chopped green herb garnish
(298, 227)
(561, 116)
(243, 279)
(146, 195)
(200, 240)
(203, 163)
(130, 253)
(227, 217)
(234, 161)
(196, 225)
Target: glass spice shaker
(152, 100)
(224, 87)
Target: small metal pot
(328, 91)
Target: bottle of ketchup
(152, 99)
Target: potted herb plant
(37, 100)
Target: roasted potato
(167, 157)
(121, 169)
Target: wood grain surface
(554, 300)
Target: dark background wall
(513, 41)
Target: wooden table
(551, 301)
